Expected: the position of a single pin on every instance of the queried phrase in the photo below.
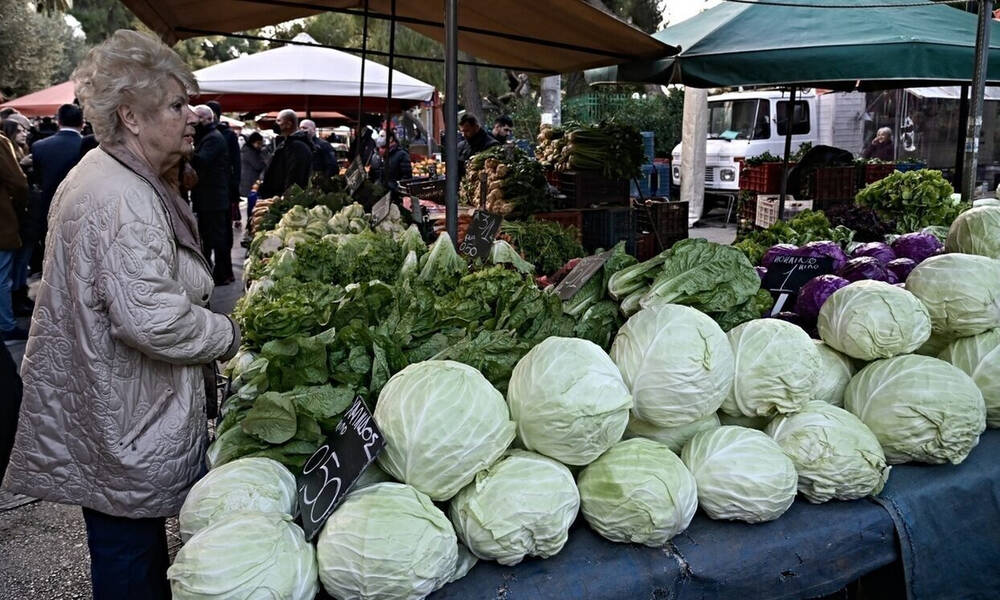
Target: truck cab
(742, 125)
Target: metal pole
(789, 126)
(451, 116)
(361, 93)
(388, 93)
(976, 104)
(963, 125)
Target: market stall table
(810, 551)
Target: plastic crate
(567, 218)
(644, 189)
(648, 145)
(667, 221)
(584, 189)
(873, 173)
(767, 209)
(910, 166)
(645, 246)
(605, 227)
(833, 185)
(553, 178)
(663, 179)
(763, 178)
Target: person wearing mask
(13, 207)
(113, 412)
(235, 163)
(475, 139)
(210, 195)
(324, 158)
(881, 147)
(291, 163)
(503, 129)
(52, 159)
(393, 162)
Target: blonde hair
(128, 68)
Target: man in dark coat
(210, 196)
(393, 162)
(475, 140)
(324, 158)
(235, 162)
(52, 158)
(292, 160)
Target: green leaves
(707, 276)
(287, 308)
(272, 419)
(913, 199)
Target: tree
(31, 48)
(201, 52)
(101, 18)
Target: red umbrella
(43, 103)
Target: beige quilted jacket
(113, 416)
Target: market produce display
(544, 244)
(979, 357)
(912, 199)
(961, 293)
(868, 320)
(613, 150)
(515, 184)
(835, 372)
(742, 474)
(671, 437)
(976, 231)
(639, 492)
(836, 456)
(920, 408)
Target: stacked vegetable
(912, 199)
(515, 184)
(613, 150)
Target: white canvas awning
(953, 92)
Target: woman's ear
(129, 118)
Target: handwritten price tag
(482, 232)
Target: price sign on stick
(583, 272)
(787, 274)
(381, 209)
(331, 471)
(355, 176)
(481, 233)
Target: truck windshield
(739, 119)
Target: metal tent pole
(451, 116)
(963, 125)
(789, 126)
(976, 105)
(361, 92)
(388, 92)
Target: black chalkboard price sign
(331, 471)
(787, 274)
(355, 176)
(481, 234)
(381, 209)
(583, 272)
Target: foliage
(32, 48)
(101, 18)
(913, 199)
(285, 309)
(807, 226)
(545, 244)
(661, 114)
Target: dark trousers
(215, 229)
(10, 405)
(128, 557)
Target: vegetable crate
(566, 218)
(764, 178)
(605, 227)
(584, 189)
(767, 209)
(645, 246)
(648, 145)
(909, 166)
(746, 221)
(645, 183)
(666, 221)
(873, 173)
(831, 186)
(663, 179)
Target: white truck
(742, 125)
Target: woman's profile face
(168, 125)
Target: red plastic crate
(566, 218)
(875, 173)
(763, 178)
(833, 186)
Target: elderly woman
(881, 147)
(113, 416)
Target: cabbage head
(935, 345)
(443, 422)
(742, 474)
(979, 357)
(671, 437)
(836, 456)
(920, 408)
(676, 361)
(869, 320)
(961, 292)
(246, 555)
(777, 365)
(569, 400)
(758, 423)
(638, 492)
(976, 231)
(835, 373)
(522, 505)
(246, 484)
(386, 542)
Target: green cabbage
(246, 484)
(522, 505)
(638, 492)
(246, 555)
(835, 373)
(758, 423)
(979, 357)
(443, 422)
(836, 456)
(569, 400)
(386, 542)
(961, 293)
(671, 437)
(741, 473)
(677, 362)
(920, 408)
(777, 366)
(976, 231)
(869, 320)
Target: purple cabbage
(761, 272)
(814, 293)
(877, 250)
(775, 251)
(901, 267)
(864, 267)
(917, 246)
(891, 277)
(825, 249)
